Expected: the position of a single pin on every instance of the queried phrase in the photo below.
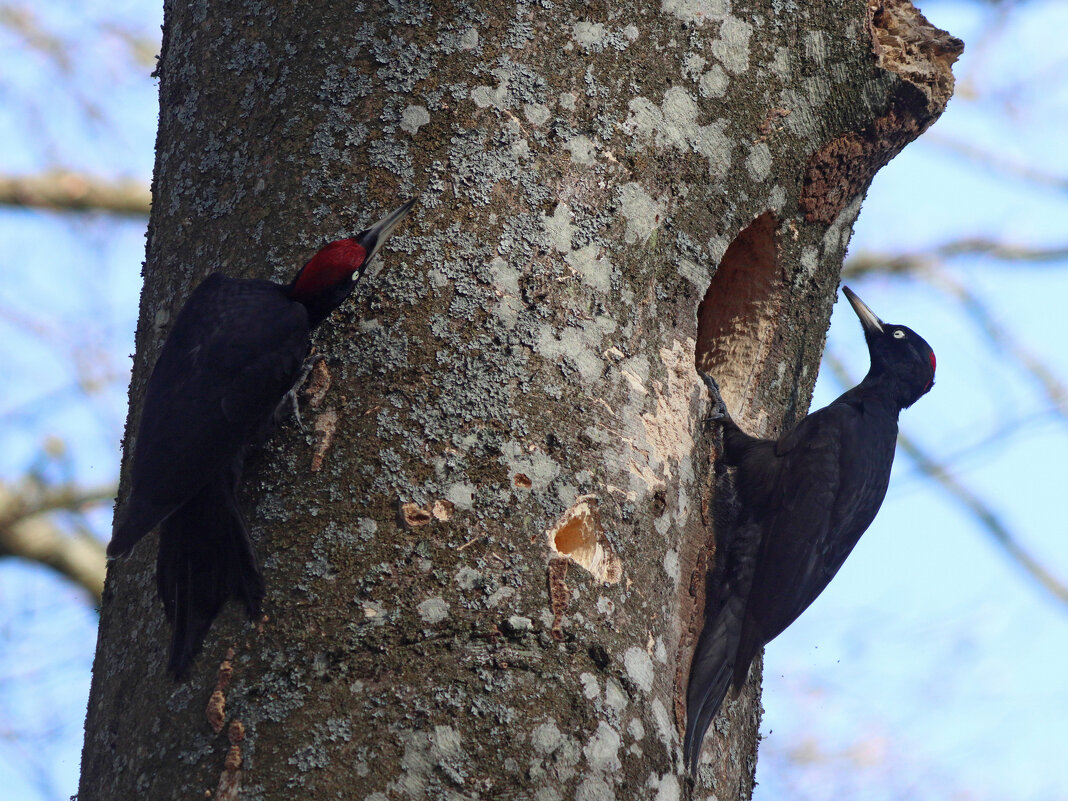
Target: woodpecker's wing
(814, 516)
(234, 351)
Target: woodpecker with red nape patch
(802, 503)
(235, 351)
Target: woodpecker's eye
(899, 334)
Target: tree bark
(485, 559)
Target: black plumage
(803, 502)
(234, 352)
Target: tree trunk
(485, 559)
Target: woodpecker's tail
(710, 675)
(715, 660)
(205, 556)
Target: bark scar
(559, 595)
(579, 537)
(229, 788)
(216, 709)
(412, 515)
(325, 428)
(318, 383)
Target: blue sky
(932, 667)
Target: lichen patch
(714, 82)
(558, 228)
(546, 738)
(582, 149)
(674, 123)
(732, 47)
(413, 118)
(642, 213)
(593, 265)
(531, 468)
(639, 667)
(587, 34)
(602, 750)
(697, 12)
(579, 345)
(433, 610)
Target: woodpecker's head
(328, 278)
(898, 354)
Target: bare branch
(28, 532)
(70, 191)
(984, 515)
(920, 262)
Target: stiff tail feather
(710, 676)
(715, 664)
(205, 556)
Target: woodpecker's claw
(719, 407)
(292, 398)
(294, 406)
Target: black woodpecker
(802, 503)
(235, 351)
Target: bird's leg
(719, 407)
(291, 398)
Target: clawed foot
(292, 398)
(293, 402)
(719, 407)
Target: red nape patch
(331, 266)
(932, 361)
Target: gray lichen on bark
(512, 391)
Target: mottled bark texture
(484, 558)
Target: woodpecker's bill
(803, 502)
(234, 352)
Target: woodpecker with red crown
(802, 503)
(235, 351)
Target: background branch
(71, 191)
(28, 530)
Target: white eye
(899, 334)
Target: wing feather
(234, 351)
